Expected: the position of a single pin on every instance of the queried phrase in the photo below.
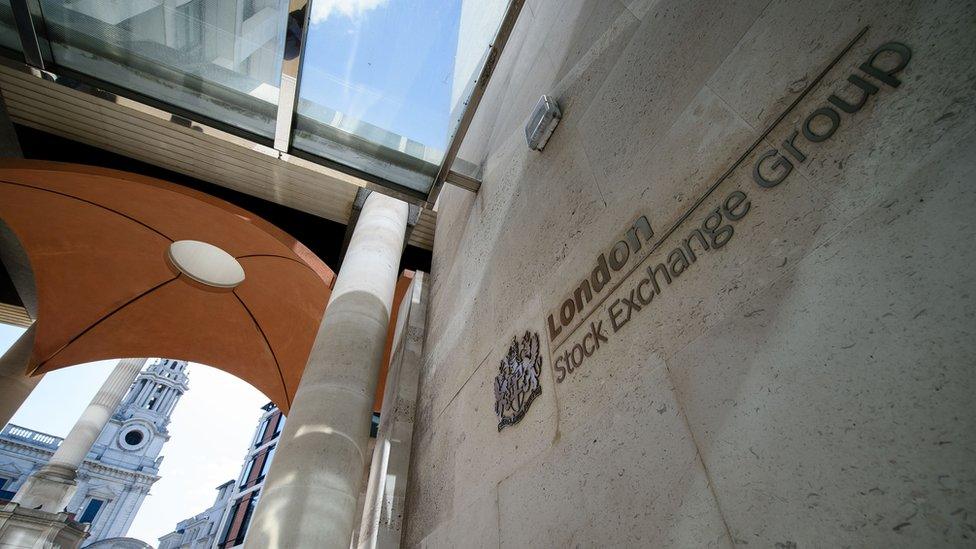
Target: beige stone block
(898, 128)
(555, 205)
(475, 526)
(835, 408)
(462, 453)
(574, 26)
(695, 151)
(486, 455)
(782, 226)
(585, 59)
(431, 486)
(629, 478)
(640, 8)
(673, 52)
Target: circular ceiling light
(206, 263)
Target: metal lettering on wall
(517, 383)
(588, 309)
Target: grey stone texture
(808, 384)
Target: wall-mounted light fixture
(542, 123)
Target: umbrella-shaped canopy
(100, 244)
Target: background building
(122, 465)
(225, 523)
(201, 530)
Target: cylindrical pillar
(15, 384)
(52, 486)
(310, 495)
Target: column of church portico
(310, 495)
(52, 486)
(164, 398)
(15, 384)
(140, 396)
(171, 403)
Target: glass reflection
(383, 82)
(218, 58)
(8, 30)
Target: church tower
(126, 455)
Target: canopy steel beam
(481, 84)
(38, 62)
(296, 33)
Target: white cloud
(323, 9)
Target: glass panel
(230, 524)
(8, 30)
(384, 81)
(252, 502)
(246, 473)
(259, 435)
(267, 462)
(479, 24)
(217, 58)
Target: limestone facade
(805, 379)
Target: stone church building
(122, 465)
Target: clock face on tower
(133, 437)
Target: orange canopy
(97, 241)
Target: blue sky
(387, 62)
(210, 432)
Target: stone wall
(807, 380)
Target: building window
(374, 426)
(238, 520)
(267, 462)
(4, 493)
(259, 436)
(247, 472)
(91, 511)
(280, 425)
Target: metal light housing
(542, 123)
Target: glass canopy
(8, 30)
(381, 87)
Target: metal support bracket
(296, 32)
(481, 84)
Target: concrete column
(15, 384)
(309, 497)
(52, 486)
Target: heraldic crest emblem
(517, 382)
